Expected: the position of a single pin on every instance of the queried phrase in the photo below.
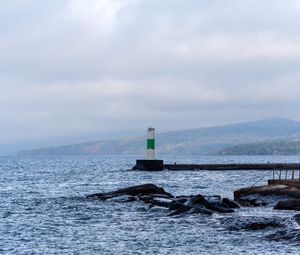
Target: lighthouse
(150, 143)
(149, 164)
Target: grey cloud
(160, 39)
(72, 67)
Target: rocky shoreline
(280, 197)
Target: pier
(159, 165)
(152, 164)
(235, 166)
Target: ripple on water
(43, 209)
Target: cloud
(77, 67)
(98, 16)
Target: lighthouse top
(150, 143)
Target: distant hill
(267, 148)
(199, 141)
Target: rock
(217, 205)
(123, 199)
(178, 203)
(268, 190)
(248, 202)
(285, 235)
(199, 204)
(297, 218)
(243, 202)
(156, 196)
(195, 204)
(180, 211)
(251, 223)
(290, 204)
(160, 201)
(230, 203)
(216, 199)
(148, 198)
(201, 209)
(156, 199)
(139, 190)
(198, 200)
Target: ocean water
(43, 209)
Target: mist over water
(44, 210)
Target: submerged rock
(250, 202)
(290, 204)
(185, 209)
(230, 203)
(251, 223)
(285, 235)
(161, 201)
(297, 218)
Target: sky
(72, 70)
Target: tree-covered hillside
(200, 141)
(267, 148)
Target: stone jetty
(286, 197)
(156, 196)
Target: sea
(44, 209)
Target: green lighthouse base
(149, 165)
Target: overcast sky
(71, 68)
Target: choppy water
(43, 209)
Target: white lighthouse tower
(150, 143)
(150, 164)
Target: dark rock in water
(285, 235)
(156, 199)
(243, 202)
(221, 209)
(193, 205)
(145, 198)
(198, 200)
(270, 194)
(201, 210)
(248, 202)
(148, 198)
(216, 199)
(144, 189)
(156, 196)
(123, 198)
(290, 204)
(230, 203)
(251, 223)
(199, 204)
(179, 203)
(180, 211)
(297, 218)
(160, 201)
(269, 190)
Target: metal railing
(285, 174)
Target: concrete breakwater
(159, 165)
